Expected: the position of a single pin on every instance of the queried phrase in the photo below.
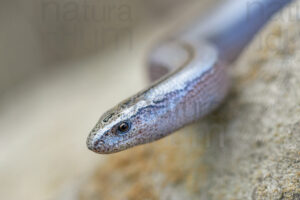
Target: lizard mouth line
(191, 72)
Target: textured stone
(248, 149)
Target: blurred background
(65, 62)
(62, 64)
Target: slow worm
(190, 70)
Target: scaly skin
(197, 85)
(196, 89)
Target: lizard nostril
(97, 142)
(101, 142)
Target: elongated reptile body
(195, 80)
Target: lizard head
(120, 128)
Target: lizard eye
(123, 127)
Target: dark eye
(123, 127)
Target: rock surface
(247, 149)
